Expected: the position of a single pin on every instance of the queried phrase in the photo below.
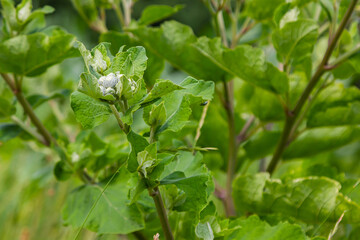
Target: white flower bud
(24, 13)
(99, 64)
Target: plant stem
(291, 116)
(48, 139)
(28, 129)
(118, 119)
(232, 151)
(127, 4)
(161, 211)
(119, 14)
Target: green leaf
(335, 106)
(32, 54)
(261, 9)
(178, 104)
(173, 42)
(37, 100)
(312, 199)
(155, 64)
(147, 160)
(191, 176)
(9, 131)
(138, 144)
(161, 88)
(245, 62)
(266, 106)
(111, 215)
(156, 13)
(7, 109)
(319, 140)
(265, 140)
(252, 228)
(88, 111)
(295, 40)
(131, 63)
(86, 9)
(157, 115)
(62, 171)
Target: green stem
(127, 4)
(118, 119)
(232, 150)
(291, 116)
(346, 56)
(119, 14)
(48, 139)
(28, 129)
(161, 211)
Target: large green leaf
(245, 62)
(111, 215)
(335, 106)
(88, 111)
(253, 228)
(189, 174)
(32, 54)
(173, 42)
(311, 199)
(295, 40)
(265, 140)
(318, 140)
(155, 13)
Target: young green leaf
(155, 64)
(295, 40)
(88, 111)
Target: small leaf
(157, 115)
(131, 63)
(138, 144)
(156, 13)
(88, 111)
(62, 171)
(147, 160)
(7, 109)
(9, 131)
(37, 100)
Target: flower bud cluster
(117, 84)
